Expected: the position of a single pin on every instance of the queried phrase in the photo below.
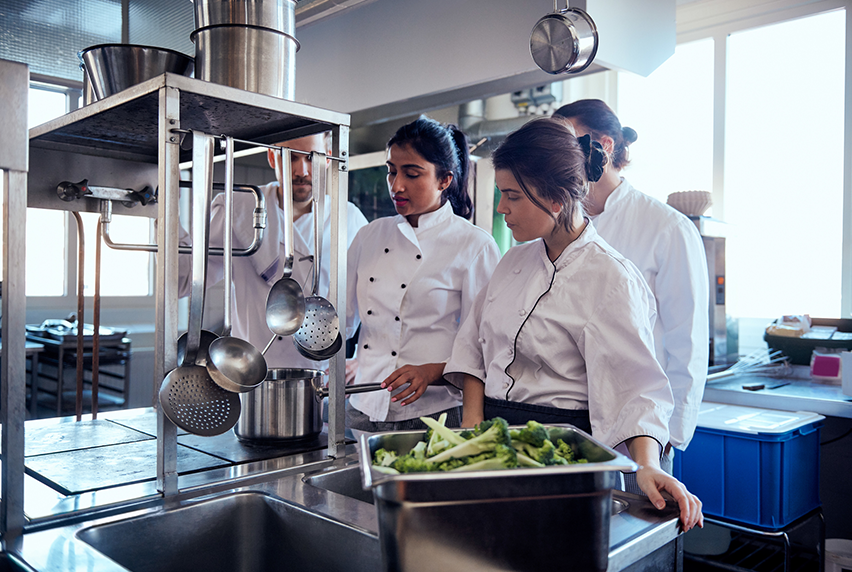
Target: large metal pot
(255, 59)
(275, 14)
(284, 407)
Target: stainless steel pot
(564, 41)
(284, 407)
(255, 59)
(115, 67)
(275, 14)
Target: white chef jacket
(254, 275)
(574, 334)
(667, 248)
(409, 288)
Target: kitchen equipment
(274, 14)
(564, 41)
(800, 349)
(495, 520)
(248, 56)
(322, 392)
(188, 396)
(760, 362)
(321, 327)
(690, 203)
(233, 363)
(284, 407)
(722, 350)
(755, 466)
(88, 90)
(321, 355)
(285, 303)
(112, 68)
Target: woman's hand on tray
(654, 481)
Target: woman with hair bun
(412, 278)
(668, 250)
(563, 332)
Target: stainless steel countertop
(635, 532)
(801, 394)
(51, 541)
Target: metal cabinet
(134, 139)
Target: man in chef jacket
(254, 275)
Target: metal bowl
(112, 68)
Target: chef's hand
(653, 481)
(417, 378)
(351, 370)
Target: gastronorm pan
(547, 518)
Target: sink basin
(347, 482)
(246, 531)
(9, 563)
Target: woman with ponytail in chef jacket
(412, 279)
(563, 332)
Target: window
(50, 264)
(784, 168)
(672, 112)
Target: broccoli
(419, 451)
(496, 434)
(503, 457)
(386, 470)
(534, 433)
(443, 432)
(384, 458)
(435, 442)
(409, 463)
(565, 452)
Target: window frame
(696, 22)
(124, 310)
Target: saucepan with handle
(564, 41)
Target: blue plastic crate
(758, 467)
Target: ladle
(285, 303)
(322, 355)
(188, 396)
(320, 329)
(233, 363)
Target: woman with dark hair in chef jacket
(563, 332)
(412, 279)
(667, 248)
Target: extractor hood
(381, 60)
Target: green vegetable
(489, 445)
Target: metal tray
(510, 519)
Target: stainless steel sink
(246, 531)
(347, 482)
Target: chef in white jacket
(667, 249)
(412, 278)
(563, 331)
(254, 275)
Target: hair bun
(596, 158)
(629, 134)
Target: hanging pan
(564, 41)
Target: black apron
(516, 413)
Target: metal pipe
(81, 257)
(260, 218)
(96, 322)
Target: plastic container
(758, 467)
(799, 350)
(838, 555)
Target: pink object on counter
(825, 366)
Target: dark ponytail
(598, 119)
(445, 146)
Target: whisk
(761, 362)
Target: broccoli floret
(503, 457)
(496, 434)
(384, 458)
(534, 433)
(467, 434)
(443, 432)
(450, 465)
(386, 470)
(419, 450)
(411, 464)
(435, 441)
(565, 452)
(525, 461)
